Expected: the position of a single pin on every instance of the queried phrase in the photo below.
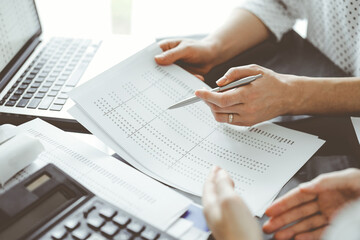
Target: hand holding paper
(178, 147)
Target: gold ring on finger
(230, 118)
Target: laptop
(37, 72)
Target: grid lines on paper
(230, 156)
(54, 156)
(202, 168)
(245, 138)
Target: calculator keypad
(99, 220)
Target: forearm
(324, 95)
(240, 32)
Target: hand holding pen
(260, 100)
(229, 86)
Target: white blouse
(333, 25)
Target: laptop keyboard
(54, 72)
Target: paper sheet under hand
(127, 108)
(104, 175)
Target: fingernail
(162, 55)
(304, 185)
(198, 93)
(221, 81)
(265, 226)
(214, 168)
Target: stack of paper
(104, 175)
(126, 107)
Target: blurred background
(150, 18)
(154, 18)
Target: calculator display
(34, 217)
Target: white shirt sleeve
(278, 15)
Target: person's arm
(325, 95)
(241, 31)
(280, 94)
(248, 25)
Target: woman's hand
(196, 56)
(262, 99)
(311, 206)
(226, 214)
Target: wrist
(214, 50)
(293, 97)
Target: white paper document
(126, 107)
(104, 175)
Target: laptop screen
(19, 23)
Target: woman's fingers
(313, 235)
(224, 185)
(290, 216)
(232, 109)
(169, 44)
(210, 199)
(255, 102)
(237, 73)
(172, 52)
(306, 225)
(223, 100)
(290, 200)
(209, 191)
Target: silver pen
(229, 86)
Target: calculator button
(58, 233)
(109, 230)
(95, 222)
(88, 211)
(121, 220)
(96, 236)
(124, 235)
(135, 227)
(71, 224)
(149, 234)
(80, 234)
(107, 213)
